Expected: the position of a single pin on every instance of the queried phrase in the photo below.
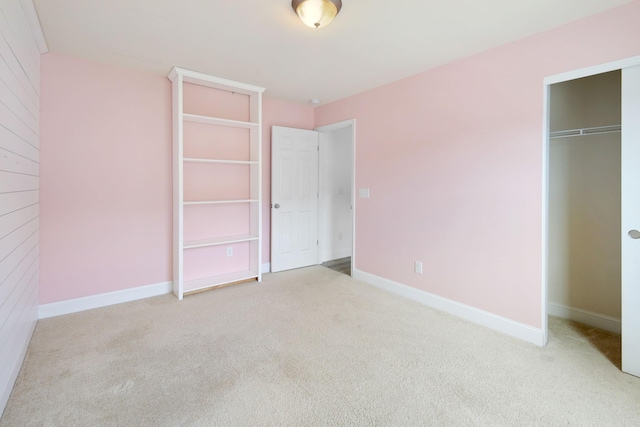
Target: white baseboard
(498, 323)
(102, 300)
(266, 268)
(15, 370)
(590, 318)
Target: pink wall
(453, 158)
(106, 179)
(106, 176)
(277, 113)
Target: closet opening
(584, 258)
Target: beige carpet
(311, 347)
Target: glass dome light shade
(317, 13)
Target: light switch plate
(363, 193)
(418, 267)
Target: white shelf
(220, 202)
(218, 241)
(219, 122)
(223, 279)
(222, 162)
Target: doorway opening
(312, 197)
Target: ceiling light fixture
(317, 13)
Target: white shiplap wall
(21, 43)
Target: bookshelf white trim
(179, 77)
(224, 162)
(219, 202)
(223, 279)
(196, 77)
(218, 122)
(218, 241)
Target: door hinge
(318, 242)
(318, 147)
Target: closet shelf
(223, 279)
(220, 202)
(220, 122)
(585, 131)
(218, 241)
(223, 162)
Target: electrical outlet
(418, 267)
(230, 251)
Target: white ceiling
(262, 42)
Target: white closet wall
(584, 197)
(21, 43)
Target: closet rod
(585, 131)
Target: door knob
(276, 206)
(634, 234)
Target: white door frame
(548, 81)
(330, 128)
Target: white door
(294, 198)
(631, 220)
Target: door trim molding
(592, 70)
(336, 126)
(547, 82)
(329, 128)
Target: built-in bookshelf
(217, 181)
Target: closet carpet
(311, 347)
